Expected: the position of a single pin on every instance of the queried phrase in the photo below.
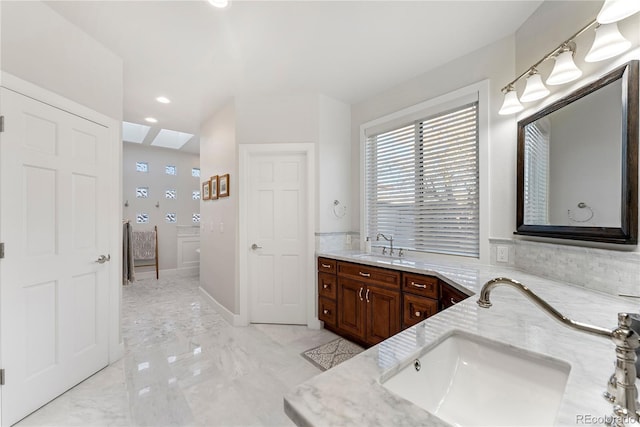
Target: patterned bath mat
(332, 353)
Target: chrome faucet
(621, 388)
(388, 239)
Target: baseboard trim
(169, 273)
(232, 318)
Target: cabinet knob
(453, 302)
(418, 314)
(364, 274)
(325, 311)
(418, 285)
(325, 286)
(326, 265)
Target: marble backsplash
(610, 271)
(336, 241)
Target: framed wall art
(223, 186)
(214, 187)
(206, 190)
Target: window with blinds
(422, 184)
(536, 173)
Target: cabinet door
(383, 314)
(416, 309)
(450, 296)
(327, 285)
(351, 307)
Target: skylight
(171, 139)
(133, 132)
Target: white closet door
(53, 221)
(277, 226)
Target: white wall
(158, 181)
(42, 47)
(334, 166)
(219, 218)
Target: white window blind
(536, 173)
(422, 185)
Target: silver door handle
(254, 247)
(102, 259)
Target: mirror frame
(627, 233)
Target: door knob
(102, 259)
(254, 247)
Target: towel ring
(581, 205)
(339, 210)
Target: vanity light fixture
(616, 10)
(608, 43)
(535, 89)
(163, 100)
(564, 70)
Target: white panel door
(53, 295)
(277, 226)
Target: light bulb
(607, 44)
(511, 104)
(564, 70)
(535, 89)
(616, 10)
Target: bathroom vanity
(368, 304)
(357, 392)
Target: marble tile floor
(185, 366)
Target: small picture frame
(206, 190)
(214, 187)
(223, 186)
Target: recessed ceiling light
(163, 100)
(151, 120)
(220, 4)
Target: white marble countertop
(350, 394)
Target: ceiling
(200, 57)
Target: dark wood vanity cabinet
(370, 304)
(327, 292)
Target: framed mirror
(578, 163)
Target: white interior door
(277, 227)
(53, 293)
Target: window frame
(427, 108)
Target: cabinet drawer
(420, 285)
(327, 265)
(415, 309)
(327, 311)
(450, 296)
(367, 274)
(327, 285)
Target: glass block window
(195, 218)
(142, 218)
(171, 170)
(142, 192)
(170, 194)
(170, 217)
(195, 172)
(142, 166)
(195, 195)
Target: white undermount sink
(467, 380)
